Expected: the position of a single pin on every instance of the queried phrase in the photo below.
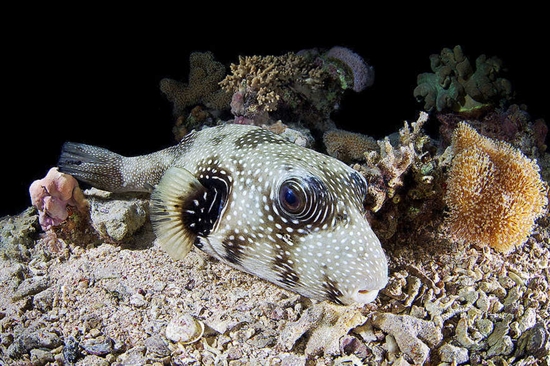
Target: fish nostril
(363, 292)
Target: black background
(93, 78)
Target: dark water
(103, 89)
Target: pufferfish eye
(303, 199)
(292, 197)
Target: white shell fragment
(184, 329)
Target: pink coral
(53, 194)
(363, 74)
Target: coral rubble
(494, 192)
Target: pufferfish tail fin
(173, 211)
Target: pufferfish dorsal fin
(174, 203)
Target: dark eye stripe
(360, 183)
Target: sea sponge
(494, 192)
(348, 146)
(53, 195)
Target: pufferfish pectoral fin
(174, 202)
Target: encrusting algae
(494, 192)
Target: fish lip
(363, 296)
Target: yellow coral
(494, 192)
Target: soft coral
(52, 194)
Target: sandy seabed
(128, 303)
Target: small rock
(450, 353)
(43, 300)
(71, 351)
(98, 346)
(17, 234)
(528, 319)
(94, 333)
(336, 323)
(501, 329)
(410, 334)
(158, 286)
(133, 357)
(535, 341)
(12, 275)
(503, 346)
(234, 353)
(351, 345)
(32, 338)
(185, 329)
(93, 360)
(138, 300)
(484, 326)
(156, 347)
(290, 359)
(41, 357)
(118, 219)
(391, 347)
(266, 338)
(31, 286)
(290, 334)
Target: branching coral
(385, 169)
(304, 87)
(260, 84)
(454, 85)
(494, 192)
(54, 195)
(201, 89)
(405, 182)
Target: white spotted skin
(327, 253)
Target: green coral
(454, 85)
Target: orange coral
(494, 192)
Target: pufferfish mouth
(363, 296)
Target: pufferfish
(255, 201)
